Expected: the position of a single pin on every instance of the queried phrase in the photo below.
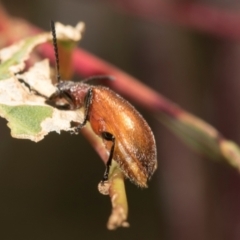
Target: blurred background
(49, 190)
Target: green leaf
(193, 135)
(19, 53)
(25, 121)
(202, 137)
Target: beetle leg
(109, 137)
(87, 103)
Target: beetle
(126, 135)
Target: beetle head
(69, 95)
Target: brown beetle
(126, 135)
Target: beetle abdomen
(135, 148)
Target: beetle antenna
(54, 40)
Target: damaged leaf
(13, 57)
(28, 115)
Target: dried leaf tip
(66, 32)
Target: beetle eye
(68, 97)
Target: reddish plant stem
(86, 64)
(13, 29)
(96, 142)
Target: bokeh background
(49, 191)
